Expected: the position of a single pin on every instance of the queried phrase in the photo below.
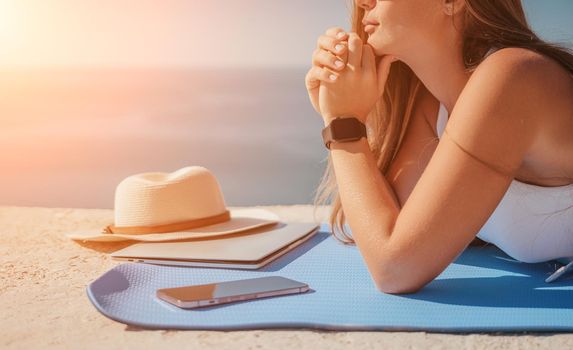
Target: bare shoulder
(521, 100)
(539, 91)
(520, 84)
(527, 73)
(517, 59)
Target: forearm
(369, 203)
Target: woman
(503, 167)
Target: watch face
(346, 128)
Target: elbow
(391, 281)
(394, 272)
(387, 287)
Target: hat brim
(241, 220)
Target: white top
(531, 223)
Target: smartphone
(201, 295)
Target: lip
(369, 28)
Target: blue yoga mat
(483, 290)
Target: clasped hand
(354, 84)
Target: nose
(366, 4)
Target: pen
(560, 272)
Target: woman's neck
(443, 77)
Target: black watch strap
(343, 129)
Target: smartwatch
(343, 129)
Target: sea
(70, 135)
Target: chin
(379, 48)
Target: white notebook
(246, 250)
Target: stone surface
(43, 302)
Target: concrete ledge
(43, 303)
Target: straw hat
(187, 203)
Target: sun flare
(10, 26)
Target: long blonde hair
(487, 25)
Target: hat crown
(157, 198)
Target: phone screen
(228, 291)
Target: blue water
(70, 136)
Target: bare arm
(489, 132)
(416, 149)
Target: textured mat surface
(483, 290)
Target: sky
(192, 32)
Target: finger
(354, 51)
(316, 75)
(310, 81)
(323, 58)
(368, 58)
(337, 32)
(336, 46)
